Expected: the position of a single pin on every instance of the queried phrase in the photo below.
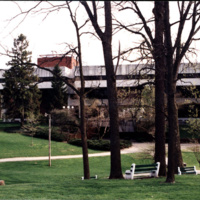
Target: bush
(55, 134)
(14, 129)
(101, 144)
(64, 118)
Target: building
(128, 76)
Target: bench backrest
(187, 170)
(148, 168)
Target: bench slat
(187, 168)
(142, 172)
(144, 169)
(148, 165)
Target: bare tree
(78, 52)
(81, 94)
(173, 52)
(152, 47)
(106, 39)
(188, 11)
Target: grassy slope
(35, 180)
(17, 145)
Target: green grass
(35, 180)
(190, 159)
(17, 145)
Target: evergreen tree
(59, 90)
(20, 94)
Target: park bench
(187, 170)
(141, 170)
(91, 177)
(130, 173)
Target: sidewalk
(16, 159)
(136, 147)
(132, 149)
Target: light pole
(49, 137)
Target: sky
(51, 35)
(45, 36)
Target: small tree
(59, 90)
(20, 94)
(31, 126)
(196, 151)
(66, 120)
(140, 110)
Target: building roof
(52, 61)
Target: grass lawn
(17, 145)
(36, 180)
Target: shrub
(65, 120)
(101, 144)
(55, 134)
(10, 127)
(14, 129)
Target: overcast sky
(45, 36)
(51, 34)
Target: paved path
(136, 147)
(52, 157)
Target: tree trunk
(116, 171)
(159, 58)
(22, 117)
(172, 114)
(174, 149)
(178, 160)
(173, 134)
(84, 140)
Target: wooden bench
(187, 170)
(151, 169)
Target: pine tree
(20, 94)
(59, 90)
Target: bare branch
(93, 17)
(147, 29)
(118, 58)
(136, 32)
(22, 12)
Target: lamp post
(49, 137)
